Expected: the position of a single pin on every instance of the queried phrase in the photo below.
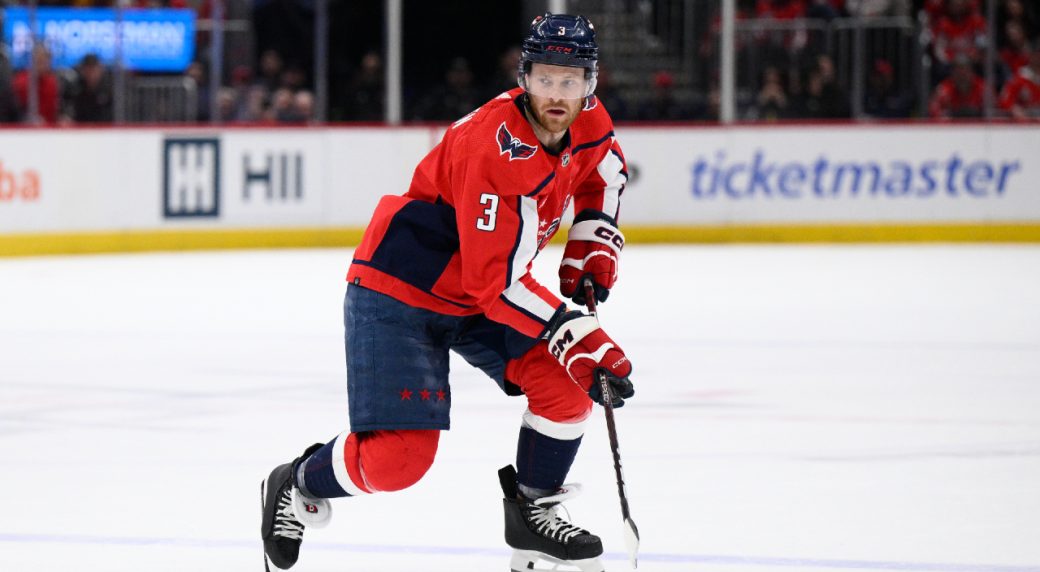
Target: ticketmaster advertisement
(839, 174)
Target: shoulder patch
(516, 148)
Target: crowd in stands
(275, 93)
(82, 94)
(959, 42)
(798, 81)
(795, 76)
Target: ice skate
(542, 540)
(284, 512)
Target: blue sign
(152, 40)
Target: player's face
(557, 95)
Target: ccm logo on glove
(594, 245)
(608, 234)
(584, 349)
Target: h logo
(191, 178)
(280, 176)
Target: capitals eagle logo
(516, 148)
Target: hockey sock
(316, 477)
(542, 462)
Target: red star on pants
(406, 394)
(440, 395)
(425, 394)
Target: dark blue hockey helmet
(560, 40)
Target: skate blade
(531, 561)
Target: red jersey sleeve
(601, 189)
(498, 240)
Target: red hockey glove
(594, 245)
(584, 349)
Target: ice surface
(814, 408)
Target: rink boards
(92, 190)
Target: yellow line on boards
(191, 239)
(151, 241)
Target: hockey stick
(631, 533)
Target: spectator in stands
(90, 97)
(1017, 11)
(780, 47)
(293, 78)
(714, 103)
(303, 105)
(253, 105)
(366, 94)
(270, 70)
(822, 10)
(772, 100)
(960, 31)
(664, 104)
(227, 104)
(48, 89)
(198, 73)
(504, 78)
(282, 110)
(708, 48)
(609, 96)
(780, 9)
(1015, 53)
(242, 82)
(8, 106)
(1021, 95)
(822, 98)
(456, 97)
(933, 10)
(882, 99)
(960, 95)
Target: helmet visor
(557, 82)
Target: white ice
(798, 408)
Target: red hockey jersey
(480, 207)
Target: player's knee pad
(395, 460)
(551, 394)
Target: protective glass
(557, 82)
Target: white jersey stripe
(528, 247)
(609, 170)
(521, 296)
(555, 429)
(517, 293)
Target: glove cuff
(593, 214)
(568, 333)
(562, 315)
(598, 231)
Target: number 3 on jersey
(487, 222)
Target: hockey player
(446, 267)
